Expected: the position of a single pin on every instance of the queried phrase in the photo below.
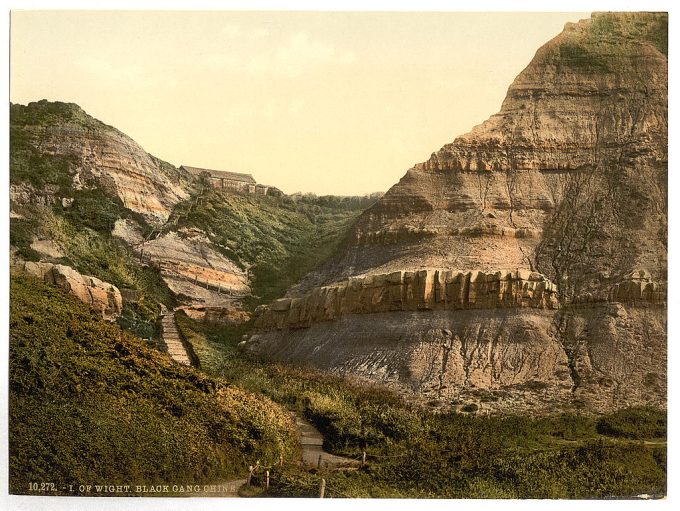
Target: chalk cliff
(553, 213)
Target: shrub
(338, 420)
(21, 236)
(636, 423)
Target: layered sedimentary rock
(208, 285)
(410, 291)
(100, 295)
(98, 155)
(568, 181)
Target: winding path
(311, 441)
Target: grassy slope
(415, 452)
(90, 403)
(281, 238)
(96, 253)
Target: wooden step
(173, 340)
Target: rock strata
(567, 183)
(99, 156)
(410, 291)
(208, 285)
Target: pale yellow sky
(340, 103)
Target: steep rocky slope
(568, 181)
(86, 153)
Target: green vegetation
(610, 41)
(45, 113)
(21, 231)
(89, 403)
(635, 423)
(280, 238)
(97, 210)
(96, 253)
(651, 27)
(414, 452)
(27, 162)
(576, 56)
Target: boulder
(100, 295)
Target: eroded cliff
(568, 182)
(87, 153)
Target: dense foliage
(635, 423)
(89, 403)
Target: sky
(331, 103)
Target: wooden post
(322, 488)
(250, 474)
(363, 458)
(266, 480)
(196, 278)
(281, 460)
(318, 465)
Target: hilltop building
(235, 181)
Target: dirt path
(311, 441)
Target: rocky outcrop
(637, 287)
(410, 291)
(568, 181)
(190, 256)
(208, 285)
(100, 295)
(98, 155)
(234, 315)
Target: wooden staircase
(173, 340)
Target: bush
(21, 236)
(635, 423)
(338, 420)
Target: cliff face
(60, 154)
(569, 181)
(94, 155)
